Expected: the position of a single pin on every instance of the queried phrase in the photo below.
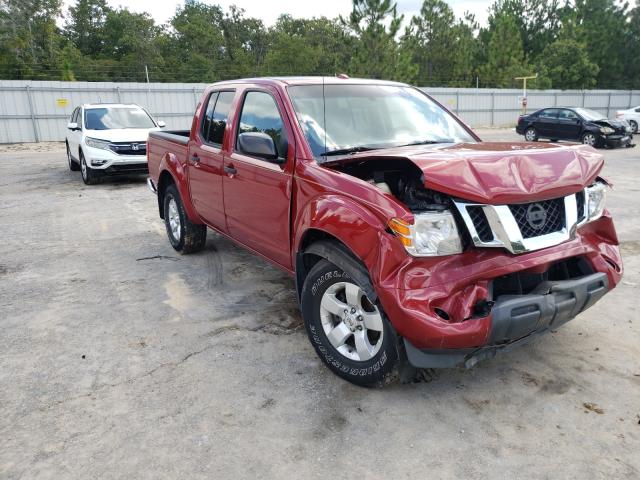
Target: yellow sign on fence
(62, 102)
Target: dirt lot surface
(122, 359)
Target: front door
(569, 125)
(205, 159)
(257, 192)
(75, 136)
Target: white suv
(109, 139)
(632, 116)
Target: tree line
(569, 44)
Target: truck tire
(350, 333)
(73, 166)
(184, 235)
(89, 175)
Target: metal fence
(35, 111)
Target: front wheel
(349, 332)
(89, 175)
(634, 126)
(589, 139)
(73, 166)
(531, 135)
(184, 235)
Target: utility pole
(524, 90)
(146, 72)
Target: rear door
(257, 192)
(547, 123)
(205, 159)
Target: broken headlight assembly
(595, 200)
(431, 234)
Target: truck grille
(582, 214)
(522, 227)
(479, 219)
(129, 148)
(539, 218)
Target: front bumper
(617, 141)
(447, 303)
(517, 319)
(111, 163)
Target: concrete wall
(32, 111)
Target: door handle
(194, 158)
(229, 170)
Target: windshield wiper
(428, 142)
(346, 151)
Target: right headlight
(97, 143)
(431, 234)
(595, 200)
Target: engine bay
(400, 178)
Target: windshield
(363, 117)
(107, 118)
(590, 114)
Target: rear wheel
(89, 175)
(73, 166)
(589, 138)
(184, 235)
(531, 135)
(348, 330)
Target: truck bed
(168, 142)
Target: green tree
(632, 44)
(306, 47)
(30, 42)
(538, 22)
(505, 55)
(85, 26)
(440, 46)
(601, 25)
(375, 25)
(568, 66)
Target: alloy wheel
(351, 322)
(174, 219)
(530, 135)
(589, 139)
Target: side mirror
(258, 144)
(161, 124)
(73, 126)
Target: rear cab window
(260, 114)
(216, 116)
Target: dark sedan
(578, 124)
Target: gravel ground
(121, 359)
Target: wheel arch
(171, 166)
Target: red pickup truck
(413, 244)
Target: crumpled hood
(500, 173)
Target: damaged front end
(520, 257)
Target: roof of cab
(311, 81)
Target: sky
(270, 10)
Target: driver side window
(260, 114)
